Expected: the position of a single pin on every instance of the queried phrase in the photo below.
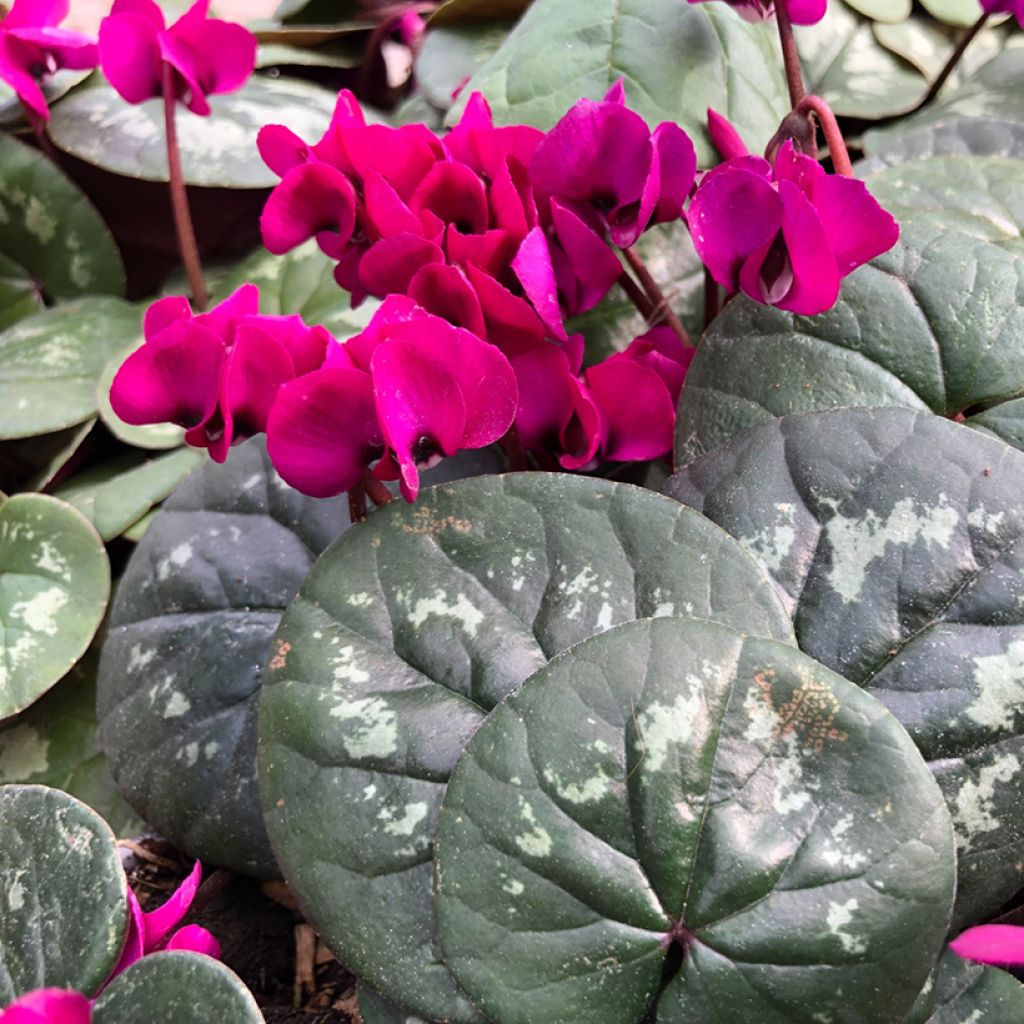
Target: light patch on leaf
(177, 705)
(536, 841)
(374, 731)
(974, 810)
(360, 600)
(344, 669)
(587, 792)
(982, 519)
(16, 891)
(513, 887)
(999, 679)
(664, 726)
(138, 658)
(462, 610)
(792, 793)
(38, 222)
(406, 825)
(50, 559)
(835, 853)
(23, 753)
(857, 542)
(39, 613)
(839, 916)
(773, 543)
(179, 557)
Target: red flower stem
(357, 503)
(512, 445)
(187, 246)
(661, 311)
(833, 134)
(712, 298)
(790, 54)
(376, 489)
(636, 295)
(954, 59)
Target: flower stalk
(661, 309)
(790, 54)
(187, 245)
(376, 490)
(954, 59)
(833, 134)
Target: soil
(257, 926)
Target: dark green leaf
(54, 587)
(958, 136)
(63, 894)
(177, 988)
(50, 364)
(676, 59)
(218, 151)
(51, 229)
(405, 634)
(32, 463)
(896, 537)
(967, 993)
(672, 788)
(375, 1009)
(19, 294)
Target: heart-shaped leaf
(19, 294)
(219, 151)
(375, 1009)
(189, 634)
(896, 537)
(405, 634)
(119, 492)
(62, 893)
(676, 59)
(934, 323)
(51, 229)
(673, 805)
(54, 587)
(54, 743)
(966, 993)
(50, 363)
(958, 136)
(177, 988)
(952, 12)
(844, 63)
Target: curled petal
(312, 199)
(591, 267)
(387, 214)
(662, 351)
(323, 432)
(454, 194)
(281, 148)
(491, 251)
(446, 292)
(306, 345)
(218, 55)
(134, 944)
(173, 378)
(637, 409)
(391, 264)
(511, 322)
(858, 228)
(999, 944)
(547, 393)
(807, 12)
(194, 939)
(48, 1006)
(165, 312)
(146, 9)
(15, 61)
(129, 50)
(724, 137)
(534, 268)
(676, 163)
(160, 922)
(244, 301)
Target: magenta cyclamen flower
(48, 1006)
(149, 932)
(207, 55)
(786, 235)
(215, 374)
(1014, 7)
(1001, 945)
(32, 46)
(602, 161)
(408, 391)
(801, 12)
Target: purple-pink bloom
(602, 157)
(207, 55)
(801, 12)
(215, 374)
(149, 932)
(48, 1006)
(1014, 7)
(32, 46)
(786, 234)
(1001, 945)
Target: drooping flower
(1014, 7)
(32, 46)
(408, 391)
(1001, 945)
(801, 12)
(208, 56)
(155, 930)
(786, 234)
(48, 1006)
(215, 374)
(603, 158)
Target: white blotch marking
(16, 891)
(839, 916)
(514, 887)
(360, 600)
(374, 732)
(406, 825)
(856, 543)
(604, 616)
(138, 658)
(974, 811)
(792, 792)
(980, 518)
(177, 705)
(587, 792)
(999, 679)
(23, 753)
(179, 557)
(39, 612)
(38, 222)
(345, 671)
(462, 610)
(50, 559)
(773, 543)
(834, 853)
(663, 726)
(536, 842)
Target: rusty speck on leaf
(810, 712)
(281, 657)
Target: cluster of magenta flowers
(148, 932)
(483, 244)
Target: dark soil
(257, 935)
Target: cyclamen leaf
(452, 53)
(897, 539)
(674, 789)
(19, 294)
(957, 136)
(54, 587)
(375, 1009)
(175, 988)
(676, 59)
(406, 633)
(63, 894)
(953, 12)
(890, 11)
(961, 992)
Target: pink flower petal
(323, 432)
(446, 292)
(536, 273)
(491, 251)
(134, 943)
(546, 396)
(511, 322)
(637, 408)
(676, 164)
(48, 1006)
(159, 923)
(306, 345)
(148, 9)
(173, 378)
(807, 12)
(34, 13)
(242, 302)
(662, 351)
(999, 944)
(858, 228)
(15, 59)
(281, 148)
(312, 198)
(592, 266)
(724, 137)
(194, 939)
(391, 264)
(454, 194)
(217, 56)
(165, 312)
(59, 46)
(386, 212)
(129, 48)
